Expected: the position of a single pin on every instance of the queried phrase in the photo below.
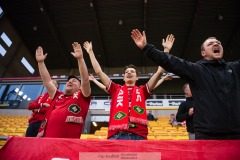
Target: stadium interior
(56, 24)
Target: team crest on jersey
(138, 109)
(74, 109)
(119, 115)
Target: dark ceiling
(55, 24)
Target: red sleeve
(43, 110)
(35, 104)
(145, 91)
(112, 88)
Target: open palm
(139, 39)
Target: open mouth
(216, 50)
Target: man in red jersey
(39, 108)
(128, 118)
(68, 111)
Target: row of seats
(157, 130)
(162, 130)
(13, 125)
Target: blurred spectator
(150, 116)
(39, 108)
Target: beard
(68, 91)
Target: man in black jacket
(186, 110)
(215, 86)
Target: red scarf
(120, 109)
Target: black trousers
(32, 129)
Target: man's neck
(130, 84)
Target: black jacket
(215, 88)
(183, 114)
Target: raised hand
(191, 111)
(139, 39)
(40, 57)
(87, 46)
(168, 43)
(77, 50)
(167, 77)
(91, 77)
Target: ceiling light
(27, 65)
(6, 39)
(41, 9)
(120, 22)
(220, 17)
(2, 50)
(20, 93)
(16, 90)
(25, 96)
(35, 28)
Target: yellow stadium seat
(94, 137)
(151, 137)
(4, 134)
(84, 136)
(5, 125)
(17, 134)
(20, 130)
(176, 134)
(24, 126)
(9, 130)
(2, 142)
(171, 128)
(163, 133)
(99, 133)
(104, 128)
(157, 128)
(182, 138)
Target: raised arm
(168, 43)
(139, 38)
(165, 78)
(46, 78)
(178, 66)
(97, 68)
(100, 85)
(78, 54)
(154, 79)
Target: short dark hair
(131, 66)
(202, 47)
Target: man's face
(130, 76)
(72, 86)
(213, 49)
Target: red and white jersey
(68, 115)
